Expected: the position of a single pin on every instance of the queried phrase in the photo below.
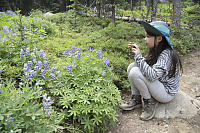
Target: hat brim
(149, 28)
(153, 30)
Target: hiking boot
(134, 103)
(149, 109)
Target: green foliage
(17, 32)
(184, 40)
(84, 88)
(20, 111)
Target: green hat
(158, 28)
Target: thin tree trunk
(113, 15)
(88, 3)
(62, 5)
(131, 4)
(148, 3)
(176, 13)
(67, 4)
(140, 4)
(99, 9)
(154, 10)
(103, 8)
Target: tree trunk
(103, 8)
(88, 3)
(67, 4)
(113, 15)
(148, 3)
(99, 9)
(154, 10)
(140, 2)
(176, 13)
(131, 5)
(62, 5)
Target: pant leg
(134, 90)
(147, 89)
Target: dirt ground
(129, 122)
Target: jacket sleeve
(157, 70)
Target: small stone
(166, 126)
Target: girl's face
(150, 40)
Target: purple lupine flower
(30, 64)
(70, 56)
(93, 51)
(65, 53)
(78, 49)
(21, 84)
(103, 73)
(72, 48)
(1, 70)
(25, 69)
(112, 68)
(88, 57)
(21, 52)
(12, 47)
(47, 103)
(98, 53)
(5, 29)
(32, 73)
(11, 119)
(45, 64)
(11, 131)
(6, 121)
(40, 88)
(26, 74)
(44, 96)
(52, 69)
(77, 56)
(33, 57)
(37, 83)
(36, 68)
(52, 76)
(71, 67)
(43, 72)
(107, 62)
(87, 49)
(42, 54)
(39, 64)
(35, 50)
(27, 51)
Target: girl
(155, 77)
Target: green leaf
(33, 117)
(1, 117)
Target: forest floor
(129, 121)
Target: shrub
(84, 89)
(20, 109)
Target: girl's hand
(133, 48)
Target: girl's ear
(159, 39)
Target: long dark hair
(154, 53)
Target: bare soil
(129, 122)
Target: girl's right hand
(133, 48)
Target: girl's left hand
(134, 48)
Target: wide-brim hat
(157, 28)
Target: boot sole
(131, 108)
(151, 115)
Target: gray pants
(140, 85)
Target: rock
(48, 14)
(182, 106)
